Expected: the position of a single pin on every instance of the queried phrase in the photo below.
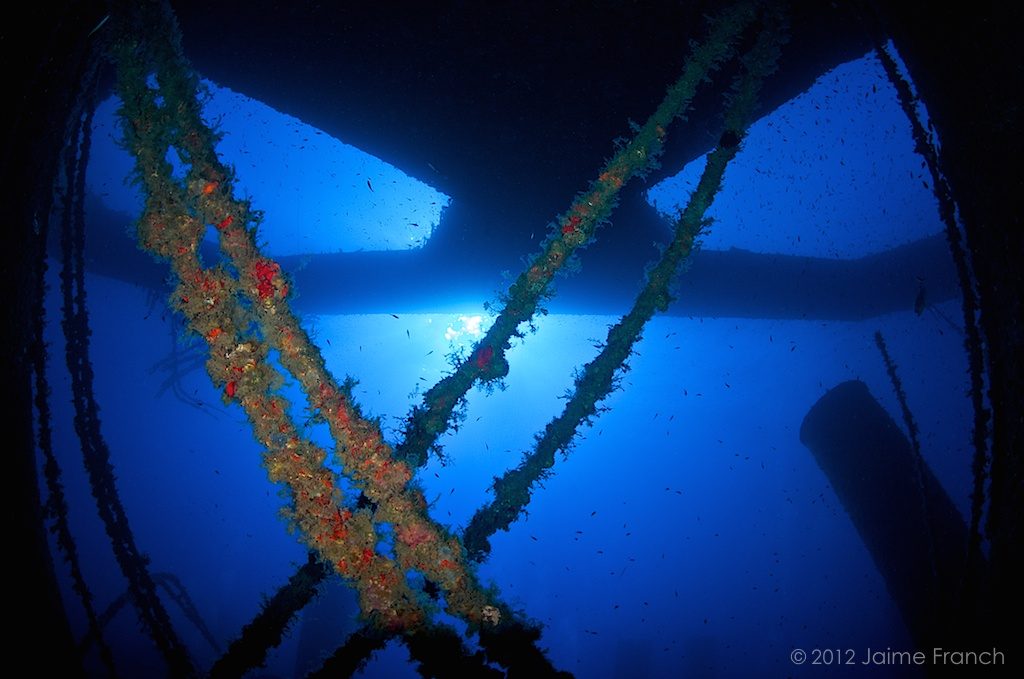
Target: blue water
(689, 533)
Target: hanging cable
(95, 453)
(512, 492)
(973, 342)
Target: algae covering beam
(916, 536)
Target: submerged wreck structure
(356, 503)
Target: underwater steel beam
(720, 283)
(916, 536)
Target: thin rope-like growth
(240, 307)
(973, 343)
(56, 506)
(915, 445)
(266, 630)
(596, 381)
(219, 317)
(95, 453)
(571, 231)
(175, 589)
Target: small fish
(370, 186)
(394, 315)
(99, 25)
